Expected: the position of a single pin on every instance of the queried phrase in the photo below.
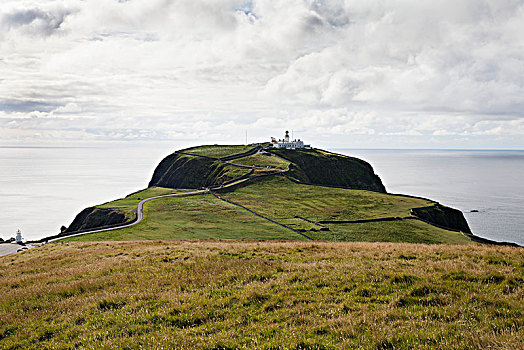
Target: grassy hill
(206, 166)
(273, 194)
(262, 295)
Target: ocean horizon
(43, 188)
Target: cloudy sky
(373, 73)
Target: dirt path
(139, 212)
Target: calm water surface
(44, 188)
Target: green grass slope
(194, 217)
(283, 200)
(279, 197)
(129, 202)
(408, 231)
(264, 160)
(295, 205)
(262, 295)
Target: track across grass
(279, 197)
(282, 200)
(194, 217)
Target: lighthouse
(287, 143)
(18, 237)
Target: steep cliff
(325, 168)
(442, 216)
(186, 171)
(96, 217)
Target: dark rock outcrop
(185, 171)
(325, 168)
(444, 217)
(95, 217)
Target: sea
(43, 188)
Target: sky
(346, 74)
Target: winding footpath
(139, 214)
(9, 248)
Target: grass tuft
(111, 304)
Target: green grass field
(278, 197)
(218, 151)
(282, 200)
(194, 217)
(262, 295)
(263, 161)
(234, 172)
(409, 231)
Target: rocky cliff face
(183, 171)
(442, 216)
(324, 168)
(96, 217)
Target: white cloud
(205, 68)
(68, 108)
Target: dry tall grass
(262, 295)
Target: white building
(287, 144)
(18, 237)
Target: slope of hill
(273, 194)
(262, 295)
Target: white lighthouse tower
(18, 236)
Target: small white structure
(18, 237)
(287, 144)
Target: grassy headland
(194, 217)
(262, 295)
(295, 205)
(321, 212)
